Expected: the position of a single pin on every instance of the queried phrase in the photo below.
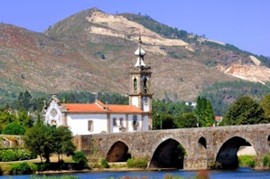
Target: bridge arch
(118, 152)
(268, 141)
(202, 142)
(168, 153)
(226, 156)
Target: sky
(243, 23)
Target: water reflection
(215, 174)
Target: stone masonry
(202, 145)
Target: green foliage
(80, 158)
(45, 140)
(104, 163)
(244, 111)
(22, 168)
(186, 120)
(137, 163)
(162, 29)
(247, 161)
(222, 94)
(265, 104)
(14, 129)
(165, 113)
(266, 161)
(7, 155)
(24, 100)
(204, 111)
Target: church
(85, 119)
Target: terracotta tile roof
(73, 108)
(99, 107)
(124, 109)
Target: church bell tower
(140, 83)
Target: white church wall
(145, 123)
(118, 123)
(79, 123)
(131, 122)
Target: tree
(186, 120)
(14, 129)
(204, 111)
(245, 110)
(163, 121)
(24, 119)
(45, 140)
(63, 141)
(265, 104)
(37, 141)
(24, 100)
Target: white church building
(84, 119)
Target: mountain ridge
(92, 51)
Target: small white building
(84, 119)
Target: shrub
(104, 163)
(7, 155)
(247, 161)
(80, 158)
(137, 163)
(14, 129)
(266, 161)
(22, 168)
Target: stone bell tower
(140, 83)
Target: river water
(215, 174)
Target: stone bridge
(192, 148)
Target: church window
(135, 122)
(121, 122)
(121, 127)
(145, 85)
(114, 121)
(90, 125)
(135, 85)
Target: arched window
(145, 84)
(90, 126)
(135, 122)
(135, 85)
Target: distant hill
(93, 51)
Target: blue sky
(243, 23)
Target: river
(215, 174)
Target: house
(84, 119)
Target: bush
(22, 168)
(80, 158)
(14, 129)
(266, 161)
(247, 161)
(7, 155)
(104, 163)
(136, 163)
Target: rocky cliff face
(93, 51)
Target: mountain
(93, 51)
